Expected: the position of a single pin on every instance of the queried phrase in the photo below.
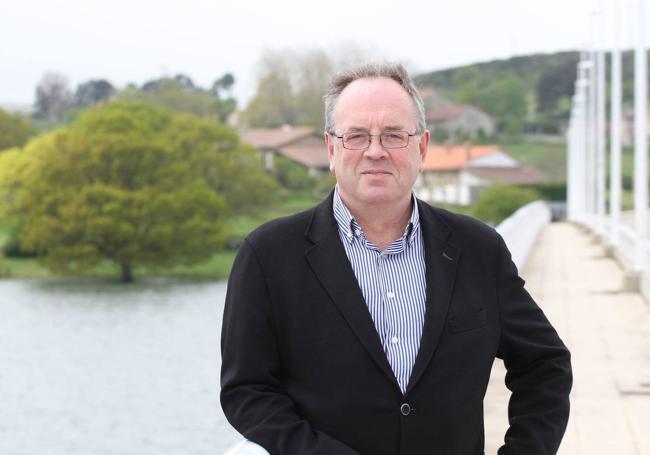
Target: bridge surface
(608, 332)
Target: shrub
(293, 176)
(499, 202)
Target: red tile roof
(454, 158)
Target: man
(369, 324)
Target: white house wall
(494, 159)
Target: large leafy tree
(14, 130)
(130, 183)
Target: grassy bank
(550, 159)
(217, 267)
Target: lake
(95, 367)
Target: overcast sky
(136, 40)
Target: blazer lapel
(330, 264)
(441, 259)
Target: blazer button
(405, 409)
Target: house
(455, 120)
(456, 174)
(458, 121)
(304, 145)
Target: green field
(550, 159)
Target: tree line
(55, 101)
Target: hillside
(524, 94)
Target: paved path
(608, 333)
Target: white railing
(247, 448)
(521, 229)
(627, 241)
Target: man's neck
(382, 224)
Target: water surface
(95, 367)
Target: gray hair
(394, 71)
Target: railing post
(640, 141)
(600, 141)
(615, 133)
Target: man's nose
(375, 150)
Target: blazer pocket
(469, 321)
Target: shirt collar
(351, 229)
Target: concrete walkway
(608, 333)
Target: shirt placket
(392, 340)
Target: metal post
(572, 164)
(592, 138)
(615, 132)
(640, 141)
(582, 140)
(600, 141)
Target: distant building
(453, 119)
(456, 174)
(456, 121)
(303, 145)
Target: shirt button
(358, 232)
(405, 409)
(395, 340)
(391, 295)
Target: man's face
(375, 175)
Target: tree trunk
(127, 274)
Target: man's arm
(538, 368)
(253, 395)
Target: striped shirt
(393, 284)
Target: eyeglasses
(360, 140)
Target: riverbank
(216, 268)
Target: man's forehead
(379, 99)
(370, 88)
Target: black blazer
(304, 372)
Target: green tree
(92, 92)
(131, 183)
(15, 130)
(291, 85)
(273, 105)
(53, 97)
(505, 99)
(181, 95)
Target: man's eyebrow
(394, 128)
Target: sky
(127, 41)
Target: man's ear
(423, 147)
(329, 142)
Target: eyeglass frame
(370, 136)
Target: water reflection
(95, 367)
